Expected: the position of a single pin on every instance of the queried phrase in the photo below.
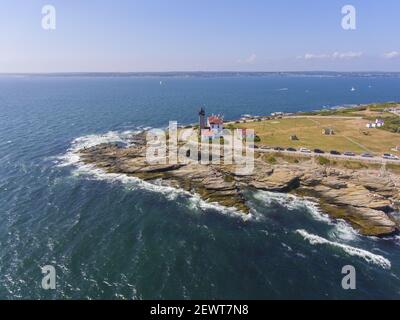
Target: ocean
(115, 237)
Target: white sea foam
(170, 193)
(341, 229)
(353, 251)
(72, 156)
(291, 203)
(195, 201)
(397, 240)
(286, 246)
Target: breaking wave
(341, 229)
(352, 251)
(72, 156)
(195, 202)
(291, 203)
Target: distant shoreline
(206, 74)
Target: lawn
(350, 134)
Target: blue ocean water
(111, 237)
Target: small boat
(353, 89)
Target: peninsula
(366, 194)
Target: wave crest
(352, 251)
(291, 203)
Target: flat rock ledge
(365, 199)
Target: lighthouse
(202, 119)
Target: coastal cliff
(364, 198)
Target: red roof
(215, 120)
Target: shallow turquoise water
(111, 237)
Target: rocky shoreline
(364, 198)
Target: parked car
(291, 149)
(319, 151)
(305, 150)
(390, 156)
(334, 152)
(278, 149)
(349, 154)
(367, 155)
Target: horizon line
(183, 72)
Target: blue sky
(199, 35)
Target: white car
(305, 150)
(390, 156)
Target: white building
(377, 124)
(216, 125)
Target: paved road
(375, 159)
(379, 160)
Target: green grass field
(351, 134)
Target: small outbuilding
(328, 131)
(377, 124)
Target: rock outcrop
(364, 199)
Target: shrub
(228, 178)
(323, 161)
(392, 124)
(271, 159)
(354, 165)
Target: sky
(199, 35)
